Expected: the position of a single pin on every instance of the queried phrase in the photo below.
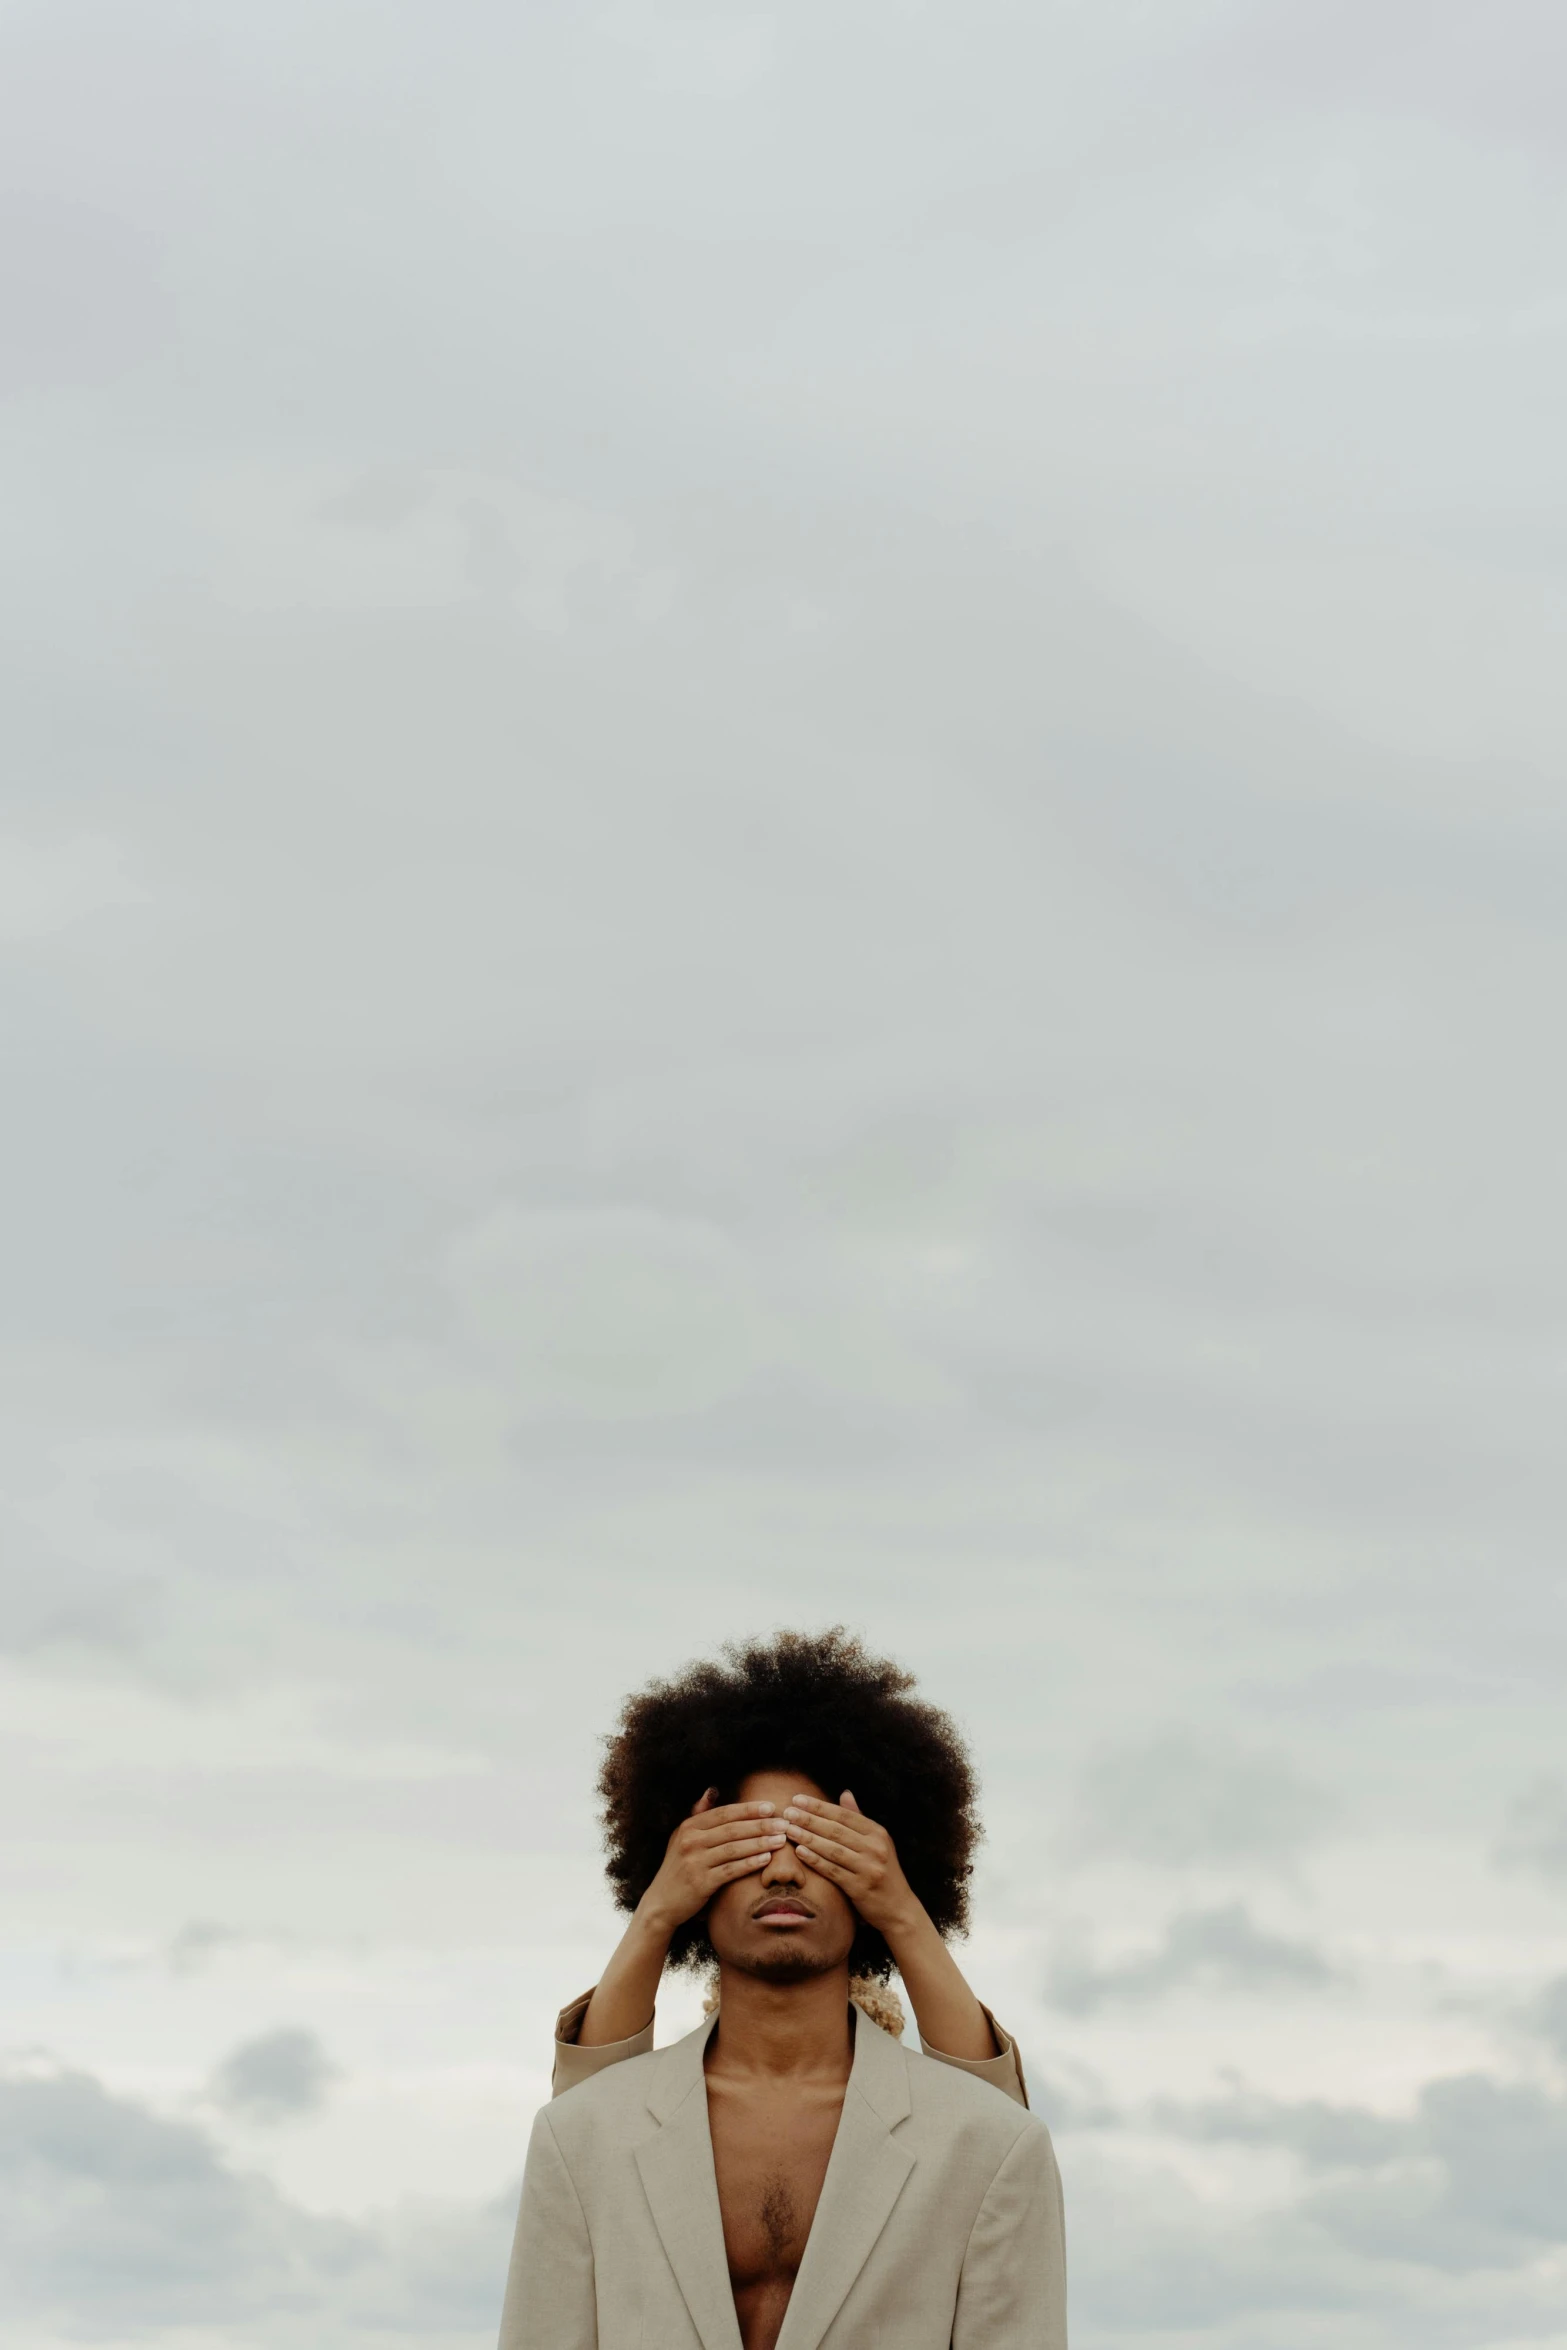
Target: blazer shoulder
(958, 2099)
(609, 2099)
(628, 2097)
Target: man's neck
(781, 2030)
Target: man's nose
(783, 1867)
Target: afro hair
(816, 1703)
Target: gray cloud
(80, 296)
(1546, 2015)
(1475, 2177)
(1326, 2137)
(1219, 1948)
(838, 900)
(1498, 2196)
(54, 1604)
(116, 2214)
(1172, 1801)
(1535, 1834)
(198, 1942)
(1283, 2281)
(1403, 57)
(1442, 2224)
(114, 2220)
(1468, 2189)
(278, 2076)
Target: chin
(789, 1964)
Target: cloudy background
(784, 842)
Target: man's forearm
(948, 2014)
(627, 1992)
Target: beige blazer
(574, 2063)
(939, 2226)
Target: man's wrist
(904, 1925)
(653, 1925)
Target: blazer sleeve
(573, 2063)
(1003, 2072)
(550, 2301)
(1012, 2292)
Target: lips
(783, 1909)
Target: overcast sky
(784, 842)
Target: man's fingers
(736, 1845)
(736, 1833)
(817, 1807)
(843, 1856)
(823, 1862)
(739, 1868)
(724, 1815)
(811, 1811)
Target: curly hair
(816, 1703)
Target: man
(789, 2177)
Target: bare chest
(771, 2157)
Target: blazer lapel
(864, 2179)
(682, 2191)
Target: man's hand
(718, 1843)
(841, 1844)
